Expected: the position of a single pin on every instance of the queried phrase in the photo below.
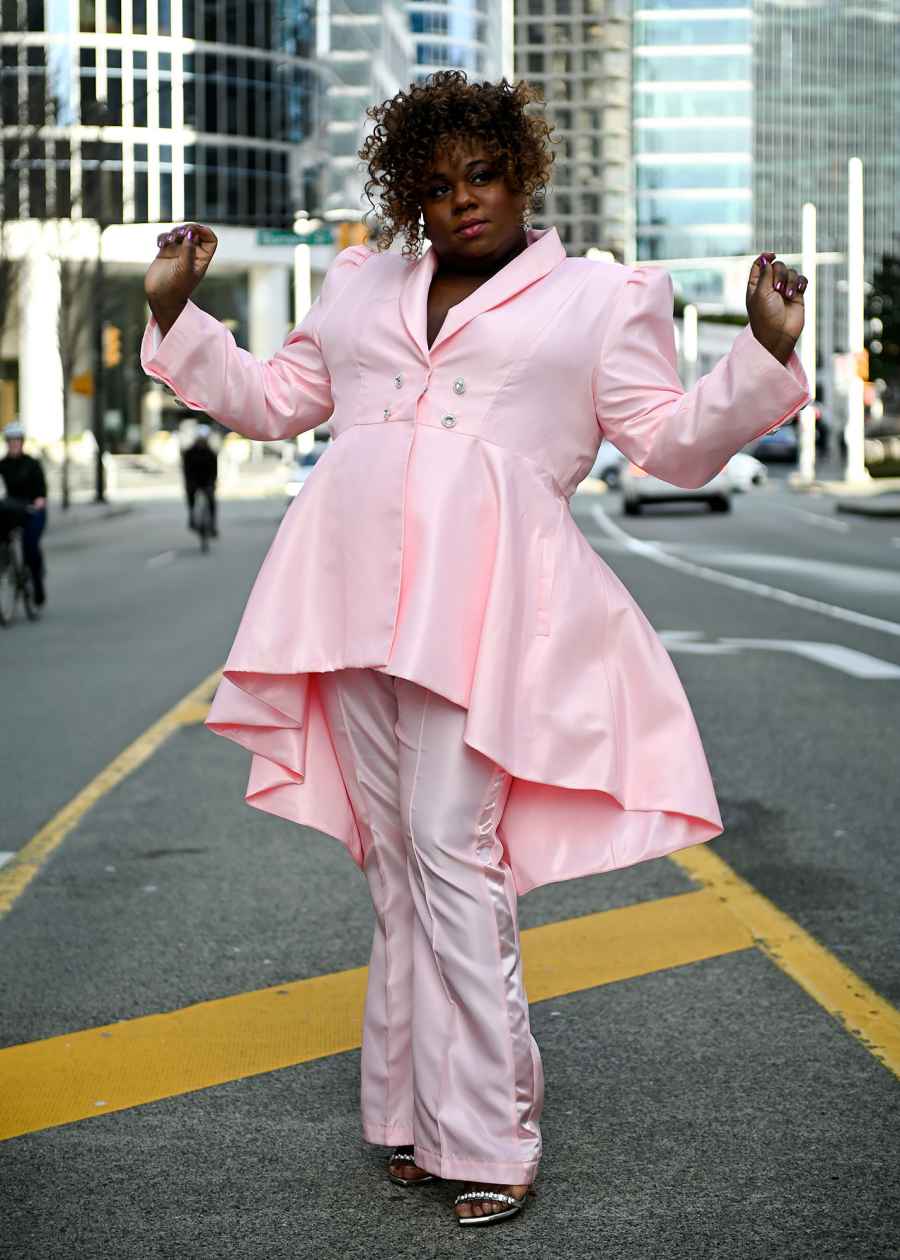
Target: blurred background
(690, 135)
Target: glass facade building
(155, 110)
(454, 35)
(577, 52)
(826, 81)
(692, 101)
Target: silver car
(639, 488)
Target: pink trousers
(448, 1061)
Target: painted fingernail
(762, 260)
(189, 235)
(789, 292)
(802, 283)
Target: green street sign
(283, 236)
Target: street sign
(282, 236)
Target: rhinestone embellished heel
(405, 1155)
(513, 1205)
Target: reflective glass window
(737, 103)
(663, 69)
(694, 31)
(693, 140)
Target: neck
(483, 266)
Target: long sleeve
(684, 436)
(286, 395)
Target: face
(465, 185)
(14, 447)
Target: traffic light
(112, 345)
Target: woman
(434, 666)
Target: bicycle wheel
(204, 523)
(8, 587)
(26, 590)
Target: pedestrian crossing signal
(112, 345)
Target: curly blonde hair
(447, 109)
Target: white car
(746, 471)
(608, 464)
(639, 488)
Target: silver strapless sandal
(513, 1205)
(405, 1155)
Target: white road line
(6, 857)
(653, 551)
(841, 526)
(834, 655)
(164, 557)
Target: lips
(472, 227)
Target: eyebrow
(442, 175)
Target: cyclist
(200, 465)
(25, 484)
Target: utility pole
(98, 418)
(807, 423)
(855, 470)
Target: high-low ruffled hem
(549, 831)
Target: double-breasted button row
(448, 421)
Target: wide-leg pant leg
(478, 1080)
(360, 706)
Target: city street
(181, 975)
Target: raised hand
(184, 256)
(775, 305)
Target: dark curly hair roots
(446, 108)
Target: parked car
(608, 465)
(745, 471)
(639, 488)
(781, 444)
(304, 463)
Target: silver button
(459, 385)
(387, 412)
(448, 421)
(398, 381)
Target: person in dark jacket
(200, 464)
(25, 484)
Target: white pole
(808, 344)
(854, 432)
(302, 283)
(302, 303)
(689, 346)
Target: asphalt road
(703, 1110)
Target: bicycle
(15, 579)
(203, 518)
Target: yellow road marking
(862, 1012)
(16, 877)
(63, 1079)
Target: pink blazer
(434, 540)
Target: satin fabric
(434, 539)
(448, 1060)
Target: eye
(436, 190)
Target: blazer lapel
(414, 299)
(544, 252)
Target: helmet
(14, 430)
(202, 431)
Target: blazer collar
(544, 252)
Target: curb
(869, 508)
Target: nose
(463, 199)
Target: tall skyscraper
(363, 51)
(118, 115)
(826, 84)
(578, 53)
(693, 136)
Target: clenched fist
(184, 255)
(775, 305)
